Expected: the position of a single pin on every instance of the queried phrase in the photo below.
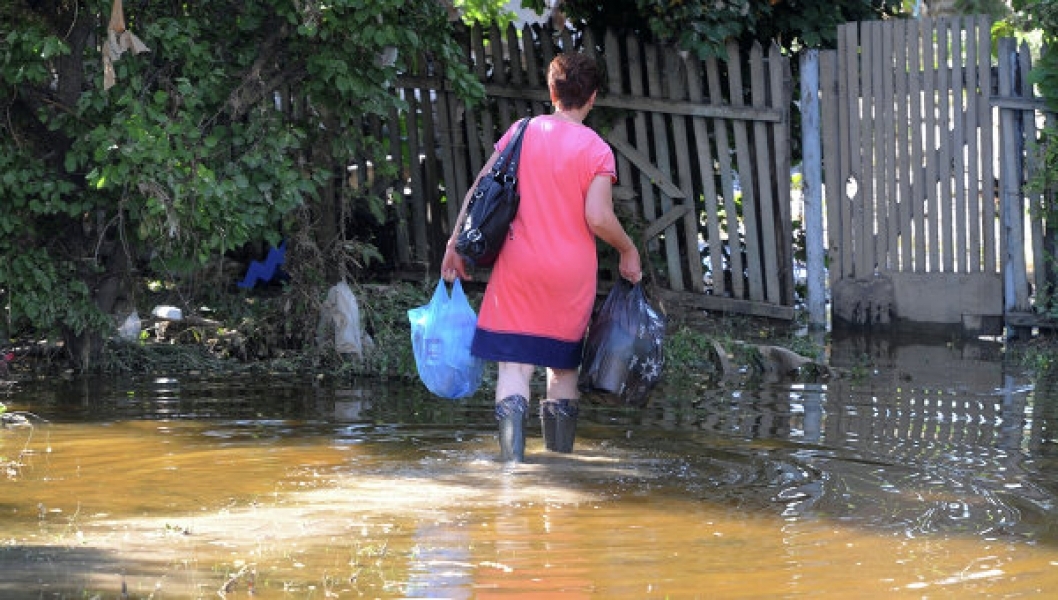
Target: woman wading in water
(542, 288)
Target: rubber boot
(558, 419)
(547, 423)
(510, 415)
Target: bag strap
(507, 162)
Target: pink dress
(542, 288)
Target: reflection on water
(931, 475)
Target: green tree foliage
(1044, 17)
(484, 11)
(236, 117)
(704, 26)
(997, 9)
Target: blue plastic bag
(441, 332)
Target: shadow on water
(926, 470)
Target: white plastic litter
(130, 327)
(341, 304)
(170, 313)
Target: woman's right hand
(630, 266)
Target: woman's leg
(512, 402)
(562, 383)
(558, 412)
(513, 379)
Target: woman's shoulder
(561, 136)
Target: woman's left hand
(452, 266)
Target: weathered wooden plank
(863, 159)
(904, 167)
(855, 262)
(642, 162)
(665, 221)
(413, 175)
(624, 193)
(854, 90)
(989, 225)
(747, 176)
(677, 90)
(636, 81)
(516, 66)
(466, 150)
(1013, 233)
(647, 104)
(436, 223)
(812, 136)
(1035, 201)
(485, 136)
(616, 81)
(419, 202)
(929, 114)
(833, 184)
(842, 260)
(960, 253)
(1019, 103)
(945, 175)
(973, 196)
(499, 77)
(888, 196)
(535, 73)
(870, 51)
(654, 61)
(687, 109)
(723, 304)
(767, 245)
(693, 69)
(917, 204)
(547, 49)
(781, 89)
(456, 165)
(727, 183)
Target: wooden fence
(927, 147)
(702, 154)
(927, 142)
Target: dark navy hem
(526, 349)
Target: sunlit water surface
(929, 473)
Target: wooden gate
(702, 151)
(913, 152)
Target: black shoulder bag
(492, 207)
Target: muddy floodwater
(927, 471)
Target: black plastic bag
(623, 354)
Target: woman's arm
(599, 213)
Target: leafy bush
(238, 115)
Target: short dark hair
(573, 78)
